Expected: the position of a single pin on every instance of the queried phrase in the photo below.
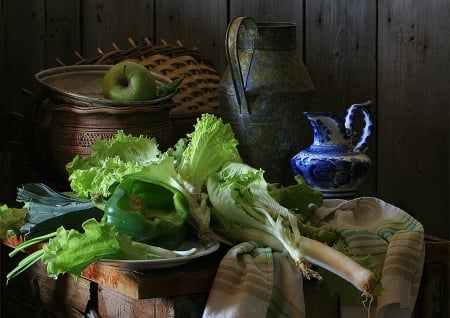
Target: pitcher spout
(333, 164)
(328, 129)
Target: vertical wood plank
(196, 23)
(272, 11)
(63, 31)
(25, 47)
(24, 33)
(414, 109)
(6, 195)
(340, 51)
(108, 21)
(112, 304)
(3, 91)
(433, 297)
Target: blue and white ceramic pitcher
(335, 164)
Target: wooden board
(63, 30)
(413, 85)
(23, 56)
(108, 21)
(340, 49)
(191, 278)
(272, 11)
(34, 293)
(196, 23)
(181, 292)
(115, 305)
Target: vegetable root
(336, 262)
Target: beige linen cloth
(253, 281)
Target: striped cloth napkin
(394, 239)
(254, 281)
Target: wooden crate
(182, 291)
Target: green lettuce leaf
(210, 145)
(243, 210)
(11, 220)
(297, 196)
(109, 161)
(71, 251)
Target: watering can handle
(361, 145)
(233, 57)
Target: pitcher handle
(366, 132)
(233, 57)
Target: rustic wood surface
(105, 22)
(394, 53)
(269, 11)
(182, 291)
(115, 305)
(62, 29)
(340, 51)
(191, 278)
(413, 120)
(194, 277)
(196, 23)
(34, 294)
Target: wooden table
(176, 292)
(113, 292)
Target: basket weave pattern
(197, 94)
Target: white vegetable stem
(338, 263)
(243, 209)
(311, 251)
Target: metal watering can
(263, 94)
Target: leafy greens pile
(201, 180)
(11, 219)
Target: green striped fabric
(395, 240)
(253, 281)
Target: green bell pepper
(148, 212)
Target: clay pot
(73, 114)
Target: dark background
(395, 53)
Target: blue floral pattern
(332, 164)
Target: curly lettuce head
(109, 161)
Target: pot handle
(366, 132)
(233, 57)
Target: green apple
(129, 81)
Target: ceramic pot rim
(117, 110)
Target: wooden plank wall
(395, 53)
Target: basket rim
(99, 69)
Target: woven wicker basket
(198, 92)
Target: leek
(243, 210)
